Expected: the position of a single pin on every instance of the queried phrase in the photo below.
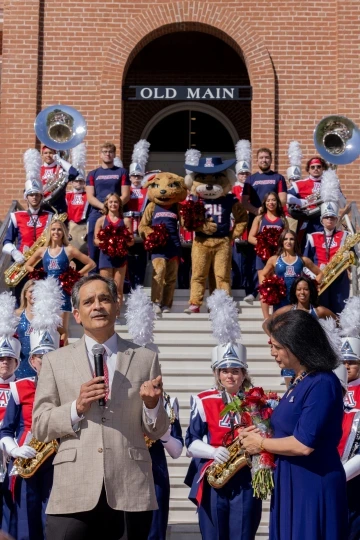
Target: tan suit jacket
(109, 447)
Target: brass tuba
(27, 467)
(337, 139)
(218, 474)
(59, 127)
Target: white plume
(141, 153)
(78, 156)
(224, 317)
(333, 334)
(243, 151)
(118, 162)
(8, 319)
(330, 187)
(192, 157)
(349, 318)
(295, 154)
(140, 317)
(32, 164)
(46, 308)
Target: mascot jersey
(77, 206)
(220, 211)
(105, 181)
(321, 248)
(260, 184)
(169, 217)
(26, 228)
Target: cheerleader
(271, 215)
(56, 256)
(23, 330)
(25, 500)
(113, 267)
(231, 511)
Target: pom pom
(114, 240)
(140, 317)
(267, 242)
(192, 157)
(243, 151)
(78, 156)
(158, 238)
(37, 273)
(48, 299)
(295, 154)
(68, 279)
(273, 290)
(330, 187)
(332, 333)
(141, 153)
(193, 213)
(224, 317)
(118, 162)
(8, 319)
(32, 164)
(349, 318)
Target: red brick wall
(301, 59)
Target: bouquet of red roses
(255, 409)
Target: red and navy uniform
(350, 420)
(137, 255)
(25, 228)
(162, 483)
(136, 205)
(321, 249)
(77, 206)
(226, 511)
(104, 181)
(25, 500)
(49, 171)
(5, 394)
(276, 223)
(302, 189)
(238, 256)
(220, 211)
(169, 217)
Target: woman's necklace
(295, 380)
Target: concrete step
(189, 531)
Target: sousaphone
(337, 139)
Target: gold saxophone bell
(340, 262)
(218, 474)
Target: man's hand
(90, 392)
(150, 392)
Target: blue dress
(55, 266)
(105, 261)
(23, 332)
(309, 499)
(288, 271)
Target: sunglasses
(315, 166)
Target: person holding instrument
(119, 484)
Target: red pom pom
(38, 273)
(114, 240)
(68, 279)
(273, 290)
(158, 238)
(267, 242)
(193, 213)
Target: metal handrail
(5, 259)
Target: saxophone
(27, 467)
(149, 442)
(342, 259)
(17, 271)
(218, 474)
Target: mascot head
(211, 178)
(165, 188)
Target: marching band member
(24, 328)
(26, 498)
(56, 255)
(322, 246)
(230, 511)
(108, 178)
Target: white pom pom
(8, 319)
(141, 153)
(330, 187)
(295, 154)
(118, 162)
(78, 156)
(32, 164)
(333, 334)
(349, 318)
(224, 317)
(140, 317)
(243, 151)
(48, 299)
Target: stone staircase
(185, 343)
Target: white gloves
(291, 199)
(17, 256)
(62, 162)
(199, 449)
(352, 467)
(13, 450)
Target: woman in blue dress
(309, 498)
(56, 255)
(23, 330)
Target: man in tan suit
(102, 471)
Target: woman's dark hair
(314, 297)
(279, 209)
(305, 338)
(280, 250)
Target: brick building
(300, 59)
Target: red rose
(266, 412)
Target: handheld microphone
(98, 352)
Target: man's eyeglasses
(315, 166)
